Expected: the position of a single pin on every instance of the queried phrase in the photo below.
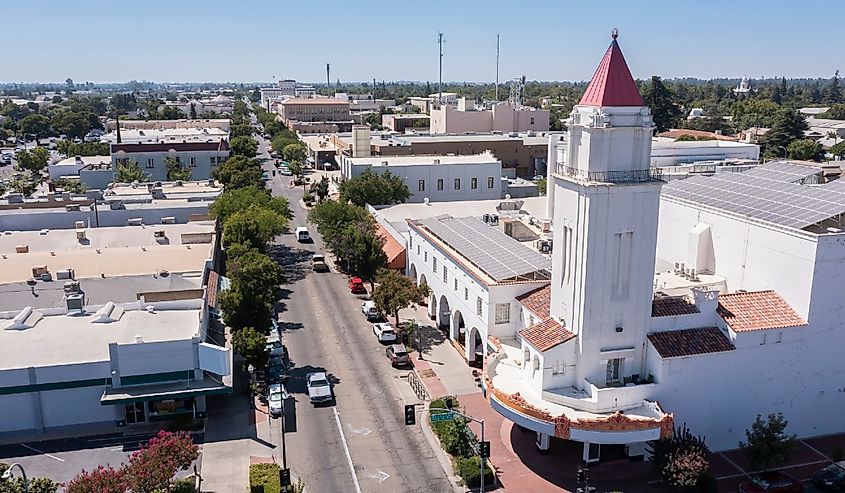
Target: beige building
(502, 117)
(399, 123)
(313, 110)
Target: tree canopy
(236, 199)
(244, 145)
(660, 99)
(254, 226)
(176, 171)
(787, 126)
(767, 445)
(805, 150)
(396, 291)
(294, 152)
(33, 160)
(239, 172)
(251, 344)
(130, 172)
(374, 189)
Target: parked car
(368, 308)
(319, 387)
(285, 171)
(397, 354)
(274, 346)
(356, 286)
(771, 482)
(276, 397)
(302, 234)
(831, 477)
(277, 367)
(384, 332)
(318, 263)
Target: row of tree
(73, 117)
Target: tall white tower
(605, 207)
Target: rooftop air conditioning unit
(177, 183)
(38, 271)
(71, 286)
(168, 220)
(72, 208)
(75, 303)
(159, 233)
(494, 219)
(116, 205)
(135, 221)
(64, 274)
(486, 218)
(80, 235)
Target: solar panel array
(495, 253)
(769, 192)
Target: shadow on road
(295, 262)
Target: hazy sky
(252, 40)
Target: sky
(259, 40)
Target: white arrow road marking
(360, 431)
(379, 476)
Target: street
(361, 442)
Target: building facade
(200, 157)
(501, 117)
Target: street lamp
(784, 151)
(7, 474)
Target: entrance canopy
(174, 390)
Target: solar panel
(770, 192)
(495, 253)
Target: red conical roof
(612, 84)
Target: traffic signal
(484, 449)
(410, 415)
(284, 477)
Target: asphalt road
(359, 444)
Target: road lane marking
(379, 476)
(42, 452)
(346, 450)
(401, 395)
(360, 431)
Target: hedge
(264, 478)
(469, 469)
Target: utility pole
(440, 72)
(497, 67)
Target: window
(489, 182)
(457, 183)
(151, 163)
(425, 259)
(193, 162)
(559, 368)
(614, 370)
(466, 294)
(212, 160)
(478, 306)
(440, 184)
(445, 274)
(418, 252)
(411, 241)
(473, 183)
(434, 263)
(503, 313)
(456, 284)
(421, 186)
(178, 160)
(532, 120)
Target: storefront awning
(162, 391)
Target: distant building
(502, 117)
(364, 102)
(744, 87)
(402, 122)
(695, 113)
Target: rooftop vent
(135, 221)
(25, 319)
(72, 208)
(107, 314)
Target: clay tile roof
(394, 250)
(212, 288)
(538, 301)
(757, 310)
(612, 84)
(688, 342)
(546, 334)
(671, 306)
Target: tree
(103, 479)
(833, 92)
(33, 160)
(35, 125)
(251, 344)
(35, 485)
(236, 199)
(130, 172)
(254, 226)
(244, 145)
(375, 189)
(73, 124)
(255, 279)
(154, 466)
(175, 170)
(362, 249)
(24, 182)
(395, 292)
(664, 111)
(331, 216)
(321, 188)
(805, 150)
(239, 172)
(681, 459)
(766, 443)
(69, 185)
(543, 186)
(787, 126)
(242, 129)
(294, 152)
(295, 168)
(70, 149)
(838, 150)
(192, 114)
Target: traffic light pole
(480, 446)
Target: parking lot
(61, 460)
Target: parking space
(61, 460)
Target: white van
(302, 235)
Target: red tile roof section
(538, 301)
(671, 306)
(546, 334)
(612, 84)
(689, 342)
(394, 250)
(211, 288)
(757, 310)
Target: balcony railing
(627, 176)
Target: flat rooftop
(166, 134)
(86, 160)
(168, 189)
(64, 339)
(107, 252)
(434, 160)
(397, 214)
(388, 139)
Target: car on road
(276, 397)
(831, 477)
(384, 332)
(302, 234)
(277, 367)
(265, 176)
(285, 171)
(318, 263)
(356, 286)
(369, 309)
(397, 354)
(771, 482)
(319, 387)
(274, 346)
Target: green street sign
(436, 418)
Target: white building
(152, 157)
(70, 166)
(435, 178)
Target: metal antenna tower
(517, 91)
(497, 67)
(440, 73)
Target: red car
(356, 286)
(772, 482)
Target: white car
(276, 396)
(384, 331)
(319, 387)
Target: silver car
(276, 396)
(319, 387)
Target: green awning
(162, 391)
